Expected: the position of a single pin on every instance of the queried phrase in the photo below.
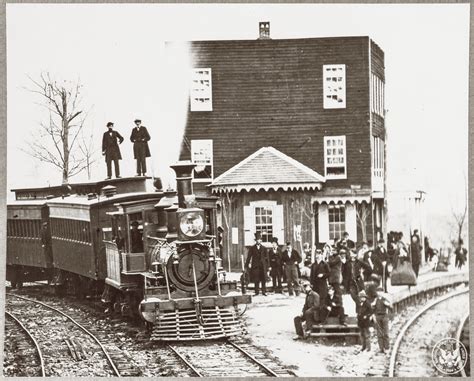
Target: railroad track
(226, 359)
(411, 340)
(67, 347)
(462, 335)
(21, 347)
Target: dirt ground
(270, 325)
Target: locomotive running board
(182, 325)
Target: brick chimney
(264, 30)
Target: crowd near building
(289, 134)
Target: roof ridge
(315, 176)
(297, 164)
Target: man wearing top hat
(111, 150)
(257, 261)
(276, 269)
(381, 260)
(141, 151)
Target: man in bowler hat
(257, 261)
(111, 149)
(276, 268)
(141, 151)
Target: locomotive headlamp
(191, 224)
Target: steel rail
(401, 334)
(185, 361)
(38, 350)
(259, 363)
(112, 364)
(458, 337)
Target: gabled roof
(268, 169)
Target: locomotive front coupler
(198, 309)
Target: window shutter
(351, 221)
(278, 223)
(323, 223)
(249, 225)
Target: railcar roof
(83, 200)
(14, 203)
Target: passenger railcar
(29, 255)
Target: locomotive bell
(191, 224)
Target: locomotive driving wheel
(192, 263)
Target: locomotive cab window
(136, 233)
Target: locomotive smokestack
(184, 176)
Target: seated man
(310, 311)
(333, 307)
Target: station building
(290, 135)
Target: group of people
(337, 268)
(111, 150)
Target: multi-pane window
(335, 157)
(378, 156)
(337, 221)
(377, 92)
(202, 156)
(264, 222)
(334, 86)
(201, 90)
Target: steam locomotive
(149, 253)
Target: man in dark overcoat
(311, 310)
(111, 149)
(319, 276)
(257, 261)
(291, 260)
(353, 280)
(332, 306)
(140, 138)
(415, 250)
(381, 262)
(335, 270)
(136, 238)
(276, 267)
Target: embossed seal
(449, 356)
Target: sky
(117, 51)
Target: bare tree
(362, 214)
(88, 151)
(459, 216)
(56, 142)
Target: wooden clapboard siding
(378, 68)
(378, 60)
(294, 206)
(378, 126)
(270, 93)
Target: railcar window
(22, 228)
(28, 232)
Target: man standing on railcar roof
(111, 149)
(141, 151)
